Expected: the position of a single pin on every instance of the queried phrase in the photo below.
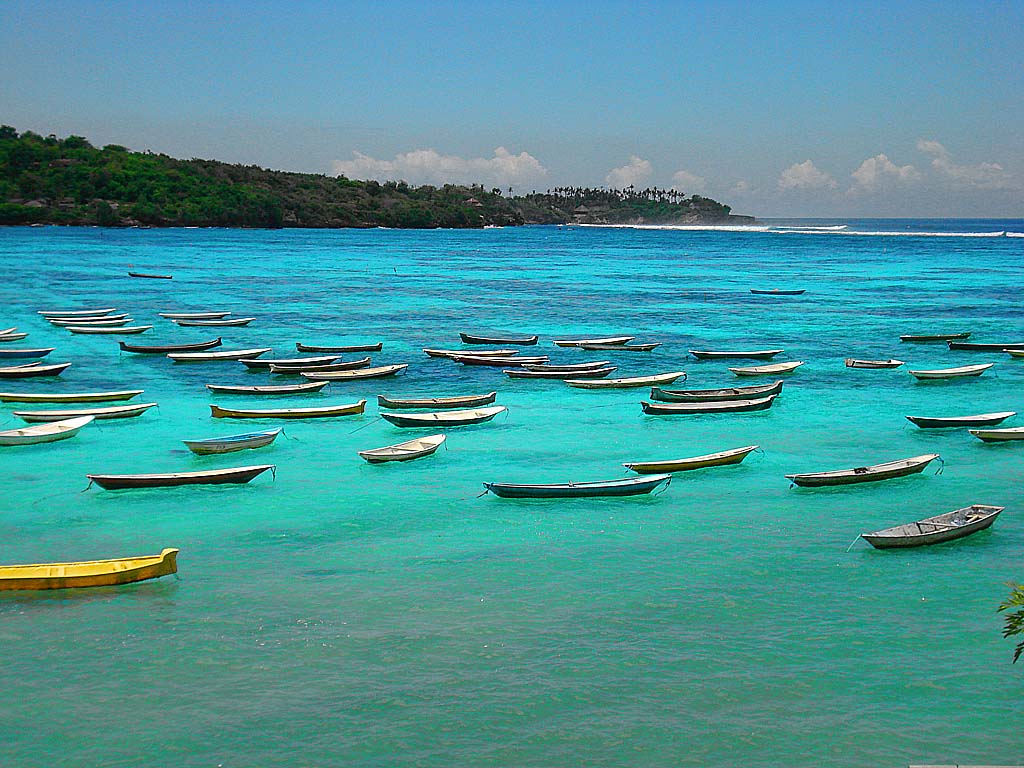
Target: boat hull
(721, 459)
(716, 395)
(628, 383)
(716, 406)
(470, 401)
(981, 420)
(407, 451)
(527, 341)
(44, 433)
(33, 371)
(327, 412)
(238, 475)
(998, 435)
(113, 412)
(166, 348)
(760, 354)
(232, 443)
(71, 397)
(935, 530)
(299, 346)
(871, 474)
(627, 487)
(443, 418)
(93, 573)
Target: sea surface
(352, 615)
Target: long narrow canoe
(768, 370)
(289, 362)
(343, 348)
(283, 389)
(952, 373)
(88, 573)
(574, 367)
(720, 459)
(933, 530)
(25, 354)
(776, 292)
(450, 353)
(194, 315)
(8, 331)
(715, 406)
(1015, 352)
(163, 349)
(444, 418)
(69, 397)
(32, 371)
(852, 362)
(629, 486)
(7, 337)
(924, 338)
(126, 330)
(970, 346)
(407, 451)
(608, 340)
(321, 412)
(76, 312)
(634, 381)
(170, 479)
(218, 323)
(998, 435)
(110, 412)
(360, 373)
(86, 319)
(44, 433)
(463, 401)
(150, 276)
(295, 370)
(886, 471)
(980, 420)
(233, 443)
(523, 341)
(710, 395)
(586, 373)
(754, 354)
(211, 357)
(114, 321)
(496, 361)
(599, 347)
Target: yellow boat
(89, 573)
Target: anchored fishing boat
(886, 471)
(407, 451)
(720, 459)
(934, 530)
(44, 433)
(88, 573)
(460, 418)
(321, 412)
(234, 475)
(714, 406)
(233, 443)
(460, 401)
(629, 486)
(711, 395)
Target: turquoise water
(354, 615)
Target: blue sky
(779, 109)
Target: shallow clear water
(354, 615)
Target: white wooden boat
(320, 412)
(194, 315)
(852, 362)
(768, 370)
(126, 330)
(109, 412)
(450, 353)
(627, 383)
(720, 459)
(211, 357)
(288, 362)
(711, 395)
(407, 451)
(952, 373)
(934, 530)
(886, 471)
(998, 435)
(68, 397)
(979, 420)
(232, 443)
(8, 337)
(76, 312)
(1015, 352)
(460, 401)
(44, 433)
(115, 321)
(608, 340)
(87, 319)
(567, 368)
(240, 321)
(295, 370)
(591, 347)
(359, 373)
(273, 389)
(754, 354)
(444, 418)
(8, 331)
(32, 370)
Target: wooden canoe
(340, 349)
(284, 389)
(462, 401)
(289, 362)
(588, 373)
(194, 315)
(952, 373)
(233, 443)
(114, 321)
(608, 340)
(75, 312)
(109, 412)
(88, 573)
(295, 370)
(599, 347)
(776, 292)
(754, 354)
(212, 357)
(44, 433)
(8, 331)
(928, 337)
(124, 331)
(150, 276)
(239, 321)
(711, 395)
(8, 337)
(576, 367)
(68, 397)
(627, 383)
(1015, 352)
(172, 479)
(980, 420)
(32, 370)
(934, 530)
(998, 435)
(407, 451)
(876, 472)
(720, 459)
(163, 349)
(768, 370)
(450, 353)
(714, 406)
(970, 346)
(498, 362)
(25, 354)
(444, 418)
(523, 341)
(86, 319)
(628, 486)
(321, 412)
(361, 373)
(852, 362)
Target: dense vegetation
(69, 181)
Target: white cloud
(880, 171)
(980, 176)
(684, 181)
(428, 166)
(635, 173)
(805, 176)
